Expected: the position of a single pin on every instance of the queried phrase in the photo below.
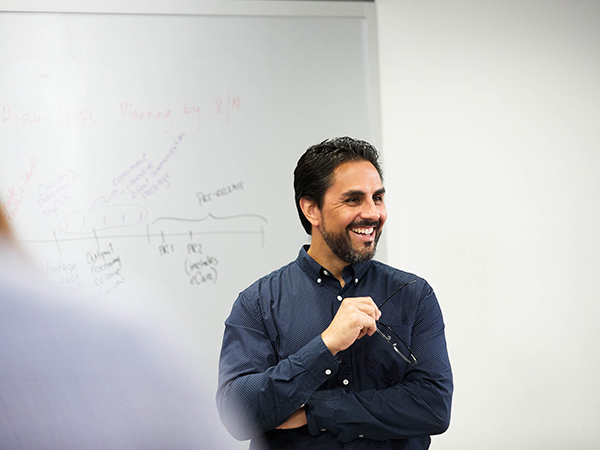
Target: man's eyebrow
(359, 193)
(353, 193)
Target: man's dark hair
(314, 171)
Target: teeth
(363, 230)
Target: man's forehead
(356, 176)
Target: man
(74, 376)
(303, 365)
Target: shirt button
(325, 272)
(356, 281)
(346, 382)
(323, 429)
(361, 435)
(319, 280)
(340, 298)
(328, 372)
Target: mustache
(365, 223)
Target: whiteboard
(147, 152)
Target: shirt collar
(315, 270)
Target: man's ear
(311, 211)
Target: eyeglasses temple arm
(394, 293)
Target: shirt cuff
(321, 412)
(319, 361)
(321, 418)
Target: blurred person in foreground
(75, 377)
(306, 362)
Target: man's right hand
(355, 318)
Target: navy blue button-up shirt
(273, 362)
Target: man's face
(353, 212)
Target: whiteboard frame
(186, 7)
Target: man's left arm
(418, 405)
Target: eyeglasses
(393, 339)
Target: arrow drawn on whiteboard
(113, 194)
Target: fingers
(355, 319)
(366, 305)
(296, 420)
(365, 320)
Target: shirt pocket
(385, 367)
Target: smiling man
(306, 362)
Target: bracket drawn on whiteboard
(240, 224)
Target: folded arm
(417, 405)
(256, 392)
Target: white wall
(491, 135)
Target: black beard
(341, 246)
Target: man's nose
(371, 211)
